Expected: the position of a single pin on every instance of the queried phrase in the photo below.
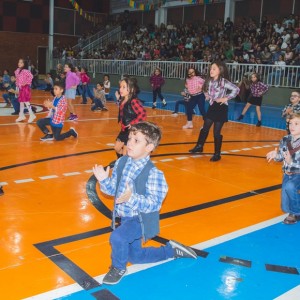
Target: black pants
(56, 131)
(157, 92)
(196, 100)
(205, 130)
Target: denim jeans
(86, 92)
(126, 244)
(290, 194)
(157, 92)
(177, 103)
(196, 100)
(97, 103)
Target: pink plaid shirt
(258, 89)
(194, 85)
(23, 77)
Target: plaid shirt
(137, 108)
(295, 108)
(294, 167)
(156, 81)
(218, 89)
(23, 77)
(258, 89)
(156, 188)
(194, 85)
(58, 113)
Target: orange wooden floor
(45, 192)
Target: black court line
(236, 261)
(111, 149)
(85, 280)
(282, 269)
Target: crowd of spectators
(243, 42)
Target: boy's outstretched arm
(100, 173)
(271, 155)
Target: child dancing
(218, 87)
(157, 81)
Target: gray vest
(149, 221)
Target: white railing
(284, 76)
(97, 38)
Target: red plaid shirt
(138, 109)
(59, 113)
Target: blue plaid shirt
(156, 188)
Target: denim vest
(149, 221)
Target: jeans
(290, 194)
(157, 92)
(177, 103)
(86, 92)
(196, 100)
(126, 244)
(56, 131)
(7, 98)
(97, 103)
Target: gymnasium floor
(55, 221)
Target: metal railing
(92, 40)
(273, 75)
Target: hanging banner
(146, 6)
(86, 15)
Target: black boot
(218, 145)
(201, 141)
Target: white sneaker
(21, 118)
(188, 125)
(31, 118)
(174, 114)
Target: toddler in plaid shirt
(292, 107)
(56, 117)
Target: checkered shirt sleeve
(60, 111)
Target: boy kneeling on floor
(56, 117)
(139, 189)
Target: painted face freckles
(137, 146)
(294, 126)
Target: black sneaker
(154, 105)
(47, 137)
(114, 276)
(258, 124)
(74, 132)
(181, 251)
(1, 191)
(104, 109)
(15, 113)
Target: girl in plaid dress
(23, 82)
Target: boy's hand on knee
(100, 173)
(125, 196)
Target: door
(42, 60)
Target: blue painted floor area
(271, 115)
(209, 279)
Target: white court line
(291, 294)
(73, 288)
(236, 150)
(48, 177)
(71, 174)
(181, 157)
(256, 147)
(196, 156)
(166, 159)
(88, 171)
(246, 149)
(24, 180)
(110, 144)
(3, 183)
(267, 146)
